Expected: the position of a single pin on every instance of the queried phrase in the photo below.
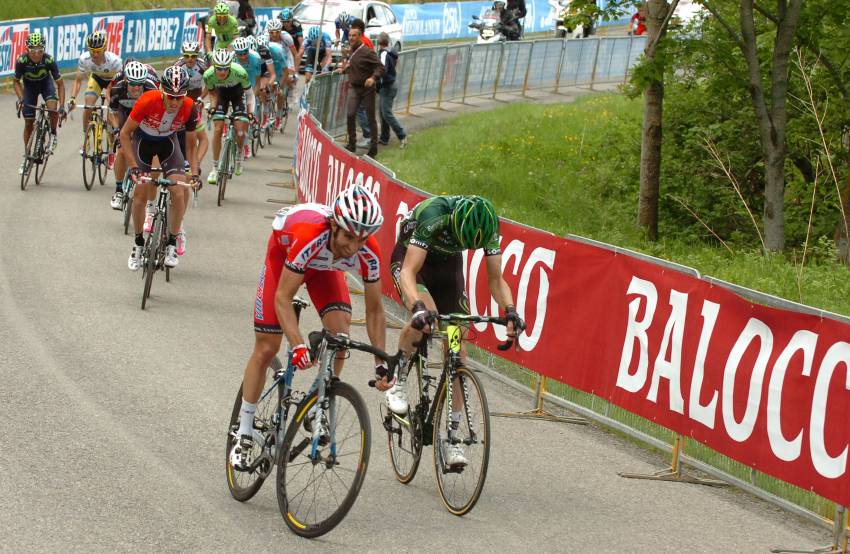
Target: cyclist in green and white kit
(227, 82)
(427, 268)
(224, 25)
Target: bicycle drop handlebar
(344, 342)
(466, 318)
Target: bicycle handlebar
(466, 318)
(344, 342)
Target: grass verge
(574, 168)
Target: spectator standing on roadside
(364, 69)
(387, 92)
(637, 25)
(518, 8)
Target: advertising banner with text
(764, 386)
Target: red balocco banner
(764, 386)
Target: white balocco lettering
(400, 213)
(514, 251)
(632, 376)
(741, 430)
(830, 467)
(784, 449)
(308, 165)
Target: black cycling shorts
(441, 277)
(230, 97)
(167, 150)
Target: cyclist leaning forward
(36, 73)
(151, 131)
(227, 83)
(195, 66)
(224, 26)
(100, 66)
(311, 244)
(427, 268)
(260, 72)
(125, 89)
(281, 62)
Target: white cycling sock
(246, 418)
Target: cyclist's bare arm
(414, 259)
(376, 326)
(19, 89)
(288, 285)
(498, 286)
(78, 82)
(200, 151)
(60, 87)
(127, 131)
(191, 154)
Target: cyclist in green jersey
(224, 25)
(427, 268)
(227, 81)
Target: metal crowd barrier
(440, 74)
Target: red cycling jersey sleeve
(149, 112)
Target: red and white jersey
(155, 123)
(303, 233)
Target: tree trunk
(774, 198)
(653, 107)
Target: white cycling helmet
(262, 40)
(274, 25)
(135, 72)
(191, 47)
(357, 211)
(241, 44)
(222, 57)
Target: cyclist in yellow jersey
(100, 66)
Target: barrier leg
(839, 537)
(674, 472)
(539, 412)
(355, 288)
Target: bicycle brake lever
(505, 345)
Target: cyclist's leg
(51, 98)
(218, 128)
(119, 168)
(143, 152)
(92, 94)
(408, 335)
(31, 92)
(171, 160)
(239, 111)
(329, 293)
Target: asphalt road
(114, 419)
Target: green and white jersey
(429, 226)
(224, 34)
(236, 77)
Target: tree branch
(653, 44)
(732, 33)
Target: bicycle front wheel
(244, 485)
(44, 152)
(316, 491)
(461, 485)
(404, 434)
(104, 147)
(127, 203)
(90, 156)
(152, 253)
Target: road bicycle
(97, 145)
(319, 439)
(38, 150)
(227, 158)
(428, 420)
(153, 252)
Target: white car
(378, 16)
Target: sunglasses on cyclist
(222, 68)
(174, 96)
(39, 50)
(193, 56)
(97, 50)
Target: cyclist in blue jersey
(342, 25)
(282, 71)
(283, 39)
(259, 72)
(292, 26)
(316, 39)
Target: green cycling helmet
(474, 221)
(35, 40)
(221, 9)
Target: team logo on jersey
(113, 26)
(192, 26)
(13, 43)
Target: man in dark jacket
(364, 69)
(388, 91)
(517, 8)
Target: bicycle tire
(265, 413)
(27, 163)
(89, 157)
(404, 439)
(255, 139)
(104, 147)
(152, 247)
(287, 466)
(127, 204)
(285, 115)
(221, 178)
(448, 485)
(45, 154)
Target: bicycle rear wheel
(315, 494)
(242, 484)
(153, 245)
(27, 163)
(44, 154)
(104, 147)
(460, 487)
(89, 156)
(221, 179)
(404, 434)
(127, 202)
